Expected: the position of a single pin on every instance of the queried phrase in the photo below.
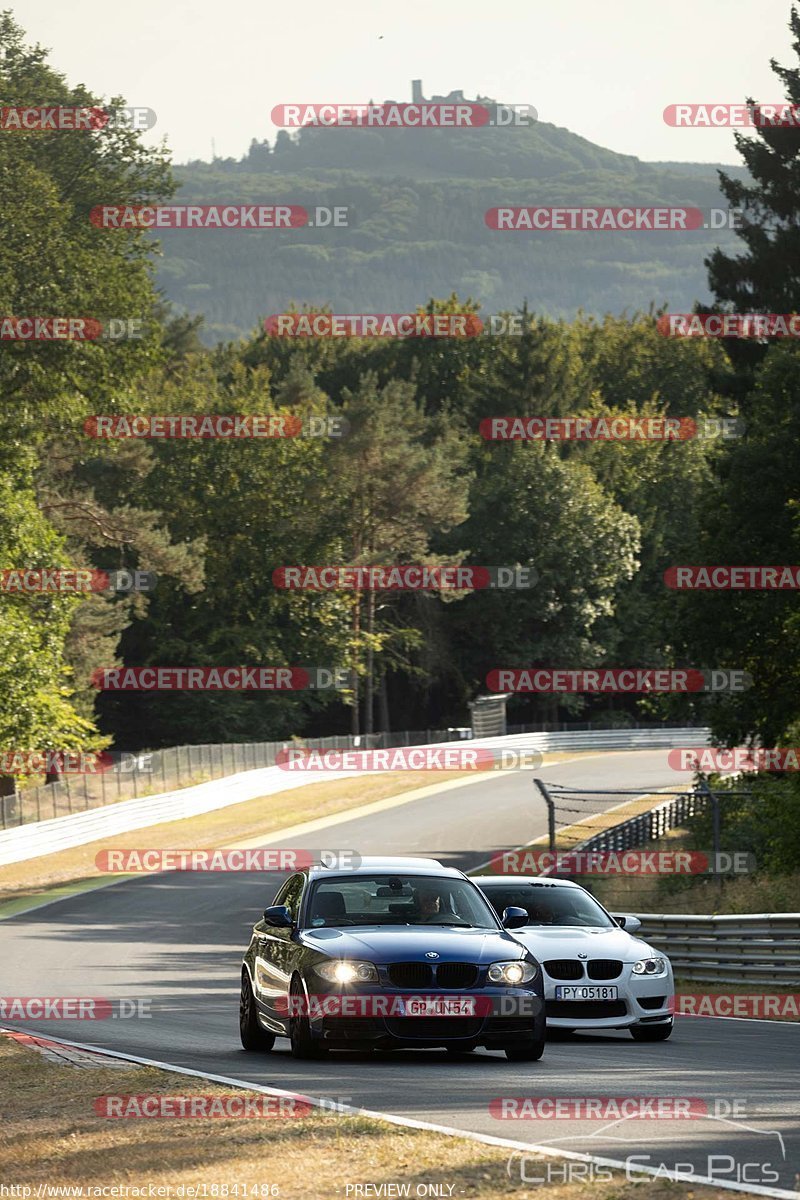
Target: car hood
(411, 943)
(566, 942)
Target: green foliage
(766, 823)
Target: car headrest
(330, 904)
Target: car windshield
(549, 904)
(398, 900)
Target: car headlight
(347, 972)
(650, 966)
(522, 970)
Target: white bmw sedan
(597, 975)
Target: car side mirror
(279, 916)
(514, 918)
(627, 922)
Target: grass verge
(569, 836)
(51, 1135)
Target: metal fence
(148, 773)
(648, 826)
(762, 948)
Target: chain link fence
(150, 773)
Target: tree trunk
(383, 704)
(355, 727)
(369, 688)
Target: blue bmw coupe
(394, 953)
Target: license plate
(585, 993)
(435, 1006)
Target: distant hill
(417, 200)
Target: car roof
(384, 865)
(533, 880)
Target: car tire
(252, 1035)
(302, 1043)
(525, 1051)
(651, 1033)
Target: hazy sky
(605, 70)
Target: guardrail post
(551, 813)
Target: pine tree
(766, 277)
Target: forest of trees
(412, 481)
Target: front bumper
(504, 1016)
(641, 1000)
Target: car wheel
(525, 1051)
(302, 1043)
(651, 1033)
(252, 1035)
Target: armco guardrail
(762, 948)
(34, 839)
(145, 773)
(648, 826)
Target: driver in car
(428, 904)
(542, 914)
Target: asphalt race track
(177, 940)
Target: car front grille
(434, 1028)
(456, 975)
(411, 974)
(564, 968)
(424, 975)
(604, 968)
(652, 1001)
(586, 1009)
